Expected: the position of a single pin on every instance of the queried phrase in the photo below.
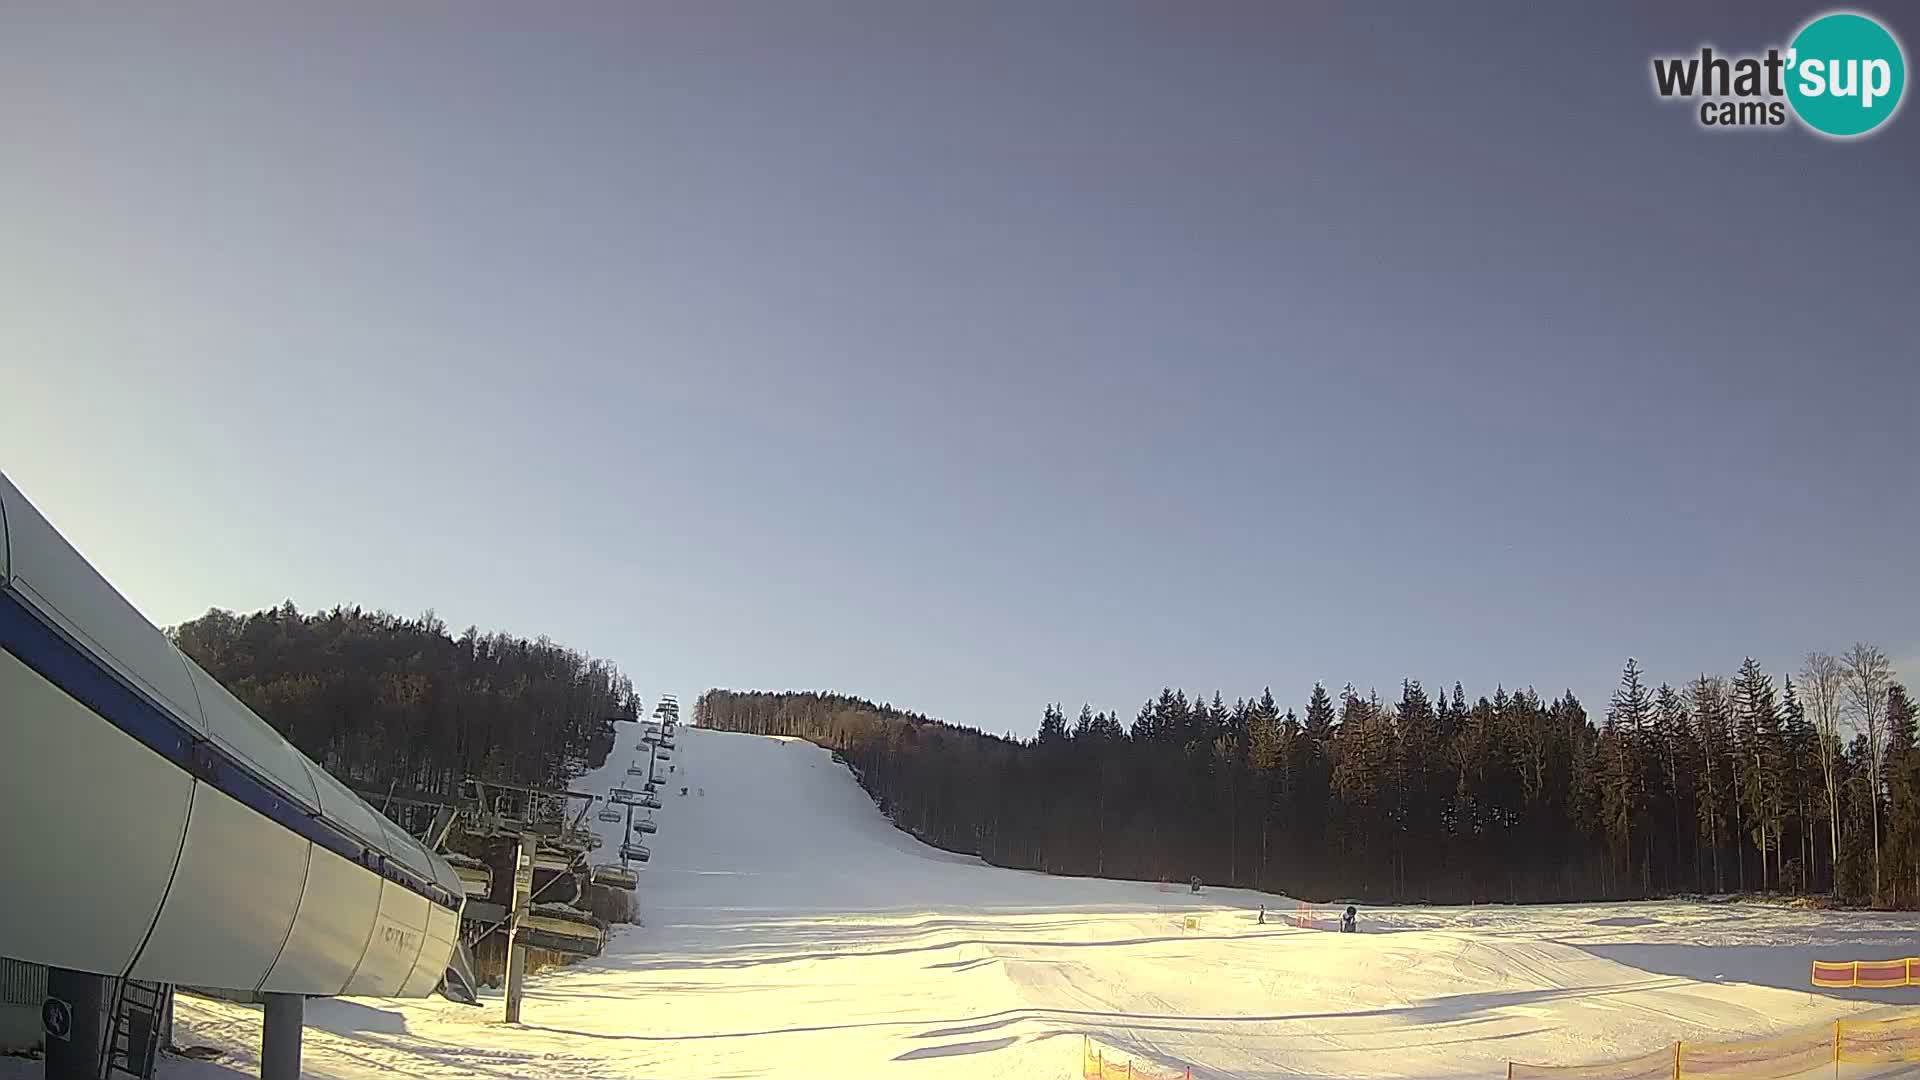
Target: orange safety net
(1880, 973)
(1893, 1039)
(1655, 1066)
(1831, 974)
(1095, 1066)
(1803, 1053)
(1873, 974)
(1758, 1059)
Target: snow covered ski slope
(791, 932)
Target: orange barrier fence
(1815, 1052)
(1095, 1066)
(1658, 1065)
(1875, 974)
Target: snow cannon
(157, 829)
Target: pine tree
(1797, 740)
(1902, 772)
(1265, 754)
(1673, 728)
(1053, 725)
(1757, 725)
(1712, 726)
(1629, 721)
(1416, 813)
(1319, 714)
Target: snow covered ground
(791, 932)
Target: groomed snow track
(792, 932)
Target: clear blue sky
(967, 356)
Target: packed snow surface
(790, 931)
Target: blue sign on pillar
(57, 1017)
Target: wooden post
(523, 856)
(1676, 1060)
(1836, 1050)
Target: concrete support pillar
(76, 1024)
(280, 1034)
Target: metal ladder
(139, 1019)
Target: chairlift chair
(635, 852)
(476, 877)
(553, 862)
(636, 770)
(616, 877)
(562, 929)
(608, 813)
(646, 825)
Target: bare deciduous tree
(1822, 683)
(1869, 674)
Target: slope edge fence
(1816, 1052)
(1094, 1065)
(1873, 974)
(1878, 1044)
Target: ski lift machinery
(238, 863)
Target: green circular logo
(1845, 73)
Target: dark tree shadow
(1784, 967)
(954, 1049)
